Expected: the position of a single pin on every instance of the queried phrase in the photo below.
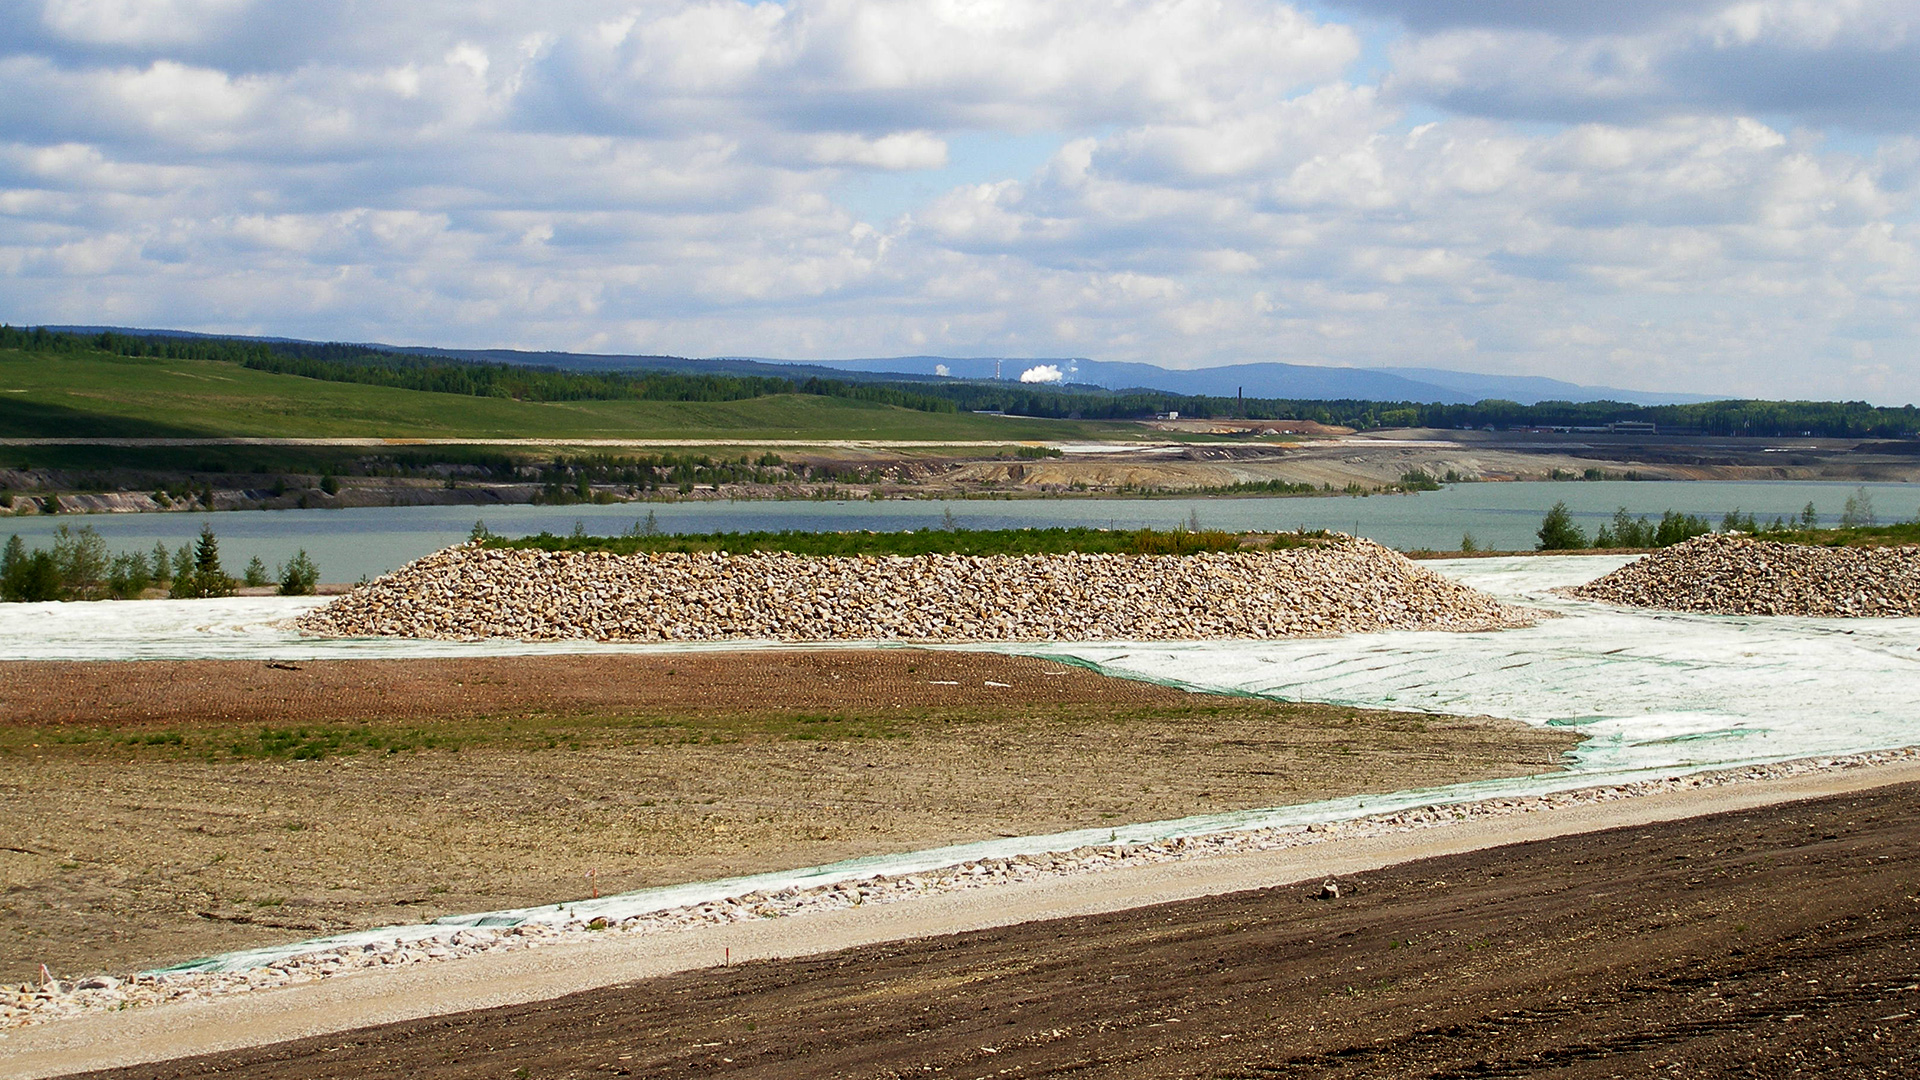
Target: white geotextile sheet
(1651, 690)
(237, 628)
(1656, 693)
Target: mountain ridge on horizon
(1263, 379)
(1259, 379)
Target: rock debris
(1733, 574)
(1344, 586)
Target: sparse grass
(1054, 541)
(651, 791)
(1906, 532)
(563, 733)
(226, 742)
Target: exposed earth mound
(1345, 586)
(1730, 574)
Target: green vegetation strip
(1859, 536)
(1858, 528)
(217, 742)
(526, 731)
(947, 541)
(79, 567)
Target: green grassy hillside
(104, 395)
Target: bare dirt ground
(1774, 942)
(155, 812)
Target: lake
(348, 544)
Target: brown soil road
(1767, 941)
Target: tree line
(1559, 532)
(79, 567)
(1764, 419)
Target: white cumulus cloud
(1043, 373)
(1692, 194)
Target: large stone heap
(1739, 575)
(470, 592)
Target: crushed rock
(1735, 574)
(1344, 586)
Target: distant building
(1633, 427)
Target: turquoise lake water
(350, 543)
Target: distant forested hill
(500, 374)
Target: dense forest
(363, 364)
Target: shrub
(28, 577)
(1558, 532)
(299, 575)
(160, 564)
(1676, 528)
(81, 558)
(128, 577)
(1625, 532)
(1858, 513)
(201, 576)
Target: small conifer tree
(197, 571)
(1558, 532)
(299, 575)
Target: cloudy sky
(1687, 195)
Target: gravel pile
(470, 592)
(1730, 574)
(26, 1004)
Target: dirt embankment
(1768, 943)
(1242, 460)
(156, 812)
